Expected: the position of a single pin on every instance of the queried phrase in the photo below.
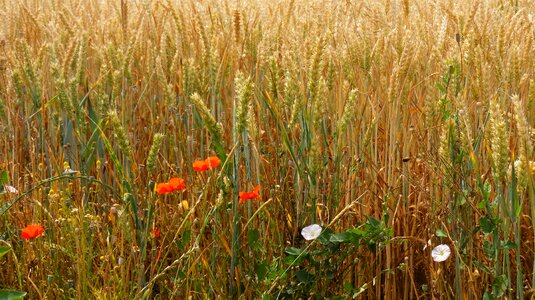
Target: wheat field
(181, 149)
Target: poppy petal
(32, 231)
(213, 161)
(207, 164)
(177, 184)
(163, 188)
(200, 166)
(244, 196)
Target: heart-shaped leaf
(4, 250)
(11, 295)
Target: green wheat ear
(523, 127)
(153, 153)
(499, 141)
(314, 72)
(349, 112)
(293, 99)
(290, 91)
(215, 128)
(244, 93)
(120, 133)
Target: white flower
(441, 253)
(311, 232)
(11, 189)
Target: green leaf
(186, 238)
(356, 231)
(487, 226)
(4, 250)
(499, 285)
(354, 236)
(276, 272)
(113, 156)
(481, 266)
(325, 236)
(377, 234)
(4, 177)
(253, 240)
(440, 233)
(339, 238)
(487, 188)
(373, 222)
(508, 245)
(294, 251)
(296, 256)
(4, 207)
(252, 237)
(488, 249)
(88, 155)
(261, 270)
(293, 260)
(11, 295)
(304, 277)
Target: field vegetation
(177, 149)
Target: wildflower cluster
(207, 164)
(174, 184)
(178, 184)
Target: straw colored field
(171, 149)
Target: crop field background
(396, 126)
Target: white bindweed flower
(441, 253)
(11, 189)
(311, 232)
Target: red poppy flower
(155, 233)
(174, 184)
(177, 184)
(244, 196)
(207, 164)
(32, 231)
(163, 188)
